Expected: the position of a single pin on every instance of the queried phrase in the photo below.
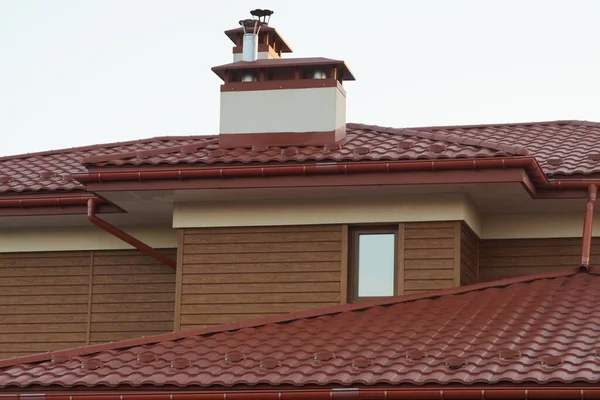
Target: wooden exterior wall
(431, 253)
(230, 274)
(56, 300)
(469, 256)
(513, 257)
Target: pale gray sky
(77, 72)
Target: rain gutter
(142, 174)
(464, 393)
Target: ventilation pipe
(251, 28)
(588, 223)
(127, 238)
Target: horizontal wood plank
(428, 254)
(249, 298)
(204, 279)
(445, 243)
(136, 317)
(136, 326)
(442, 263)
(133, 297)
(420, 274)
(428, 284)
(262, 248)
(428, 233)
(280, 267)
(251, 258)
(265, 237)
(274, 287)
(48, 299)
(277, 308)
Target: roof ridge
(286, 318)
(423, 133)
(100, 146)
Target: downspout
(588, 223)
(127, 238)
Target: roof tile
(535, 329)
(577, 143)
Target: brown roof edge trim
(30, 201)
(565, 392)
(319, 168)
(124, 236)
(293, 316)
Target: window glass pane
(376, 264)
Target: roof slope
(561, 147)
(534, 329)
(50, 171)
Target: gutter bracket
(127, 238)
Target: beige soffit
(80, 238)
(348, 210)
(547, 225)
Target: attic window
(373, 262)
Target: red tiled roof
(362, 144)
(536, 329)
(562, 148)
(52, 170)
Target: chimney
(267, 100)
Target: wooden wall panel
(133, 295)
(469, 256)
(429, 253)
(43, 301)
(56, 300)
(238, 273)
(513, 257)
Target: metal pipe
(588, 223)
(127, 238)
(250, 47)
(454, 392)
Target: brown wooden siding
(513, 257)
(429, 256)
(237, 273)
(469, 256)
(43, 301)
(57, 300)
(133, 295)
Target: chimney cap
(284, 62)
(261, 12)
